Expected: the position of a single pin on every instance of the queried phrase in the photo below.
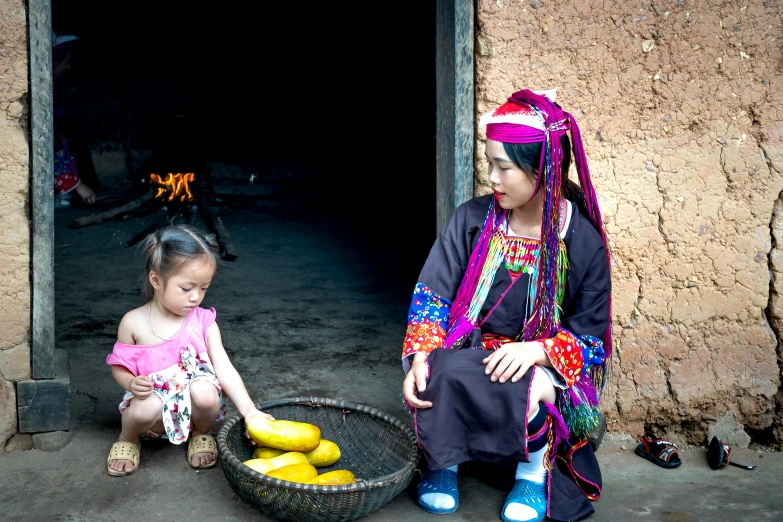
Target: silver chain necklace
(149, 319)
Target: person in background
(73, 163)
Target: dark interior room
(310, 134)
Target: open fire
(176, 185)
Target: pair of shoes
(123, 450)
(442, 481)
(202, 444)
(659, 451)
(527, 493)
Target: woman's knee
(204, 396)
(541, 389)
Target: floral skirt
(171, 387)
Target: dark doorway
(315, 128)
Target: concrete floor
(305, 310)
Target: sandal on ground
(442, 481)
(527, 493)
(202, 444)
(123, 450)
(659, 451)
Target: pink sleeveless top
(148, 359)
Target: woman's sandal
(527, 493)
(123, 450)
(659, 451)
(202, 444)
(442, 481)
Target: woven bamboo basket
(380, 450)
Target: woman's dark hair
(527, 156)
(167, 249)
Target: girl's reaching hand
(416, 382)
(513, 360)
(253, 413)
(140, 387)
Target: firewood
(227, 250)
(94, 219)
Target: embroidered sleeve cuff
(565, 355)
(427, 321)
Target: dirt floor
(313, 306)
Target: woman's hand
(86, 193)
(141, 387)
(254, 412)
(513, 360)
(416, 382)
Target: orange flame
(178, 183)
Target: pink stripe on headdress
(514, 133)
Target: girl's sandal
(123, 450)
(658, 451)
(442, 481)
(202, 444)
(527, 493)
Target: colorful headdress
(534, 117)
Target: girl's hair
(168, 248)
(527, 156)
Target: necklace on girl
(149, 319)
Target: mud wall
(14, 221)
(679, 104)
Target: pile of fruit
(292, 451)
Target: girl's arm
(140, 386)
(229, 378)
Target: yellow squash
(295, 472)
(286, 459)
(326, 454)
(284, 434)
(334, 478)
(267, 453)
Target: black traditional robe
(474, 419)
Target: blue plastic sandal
(443, 481)
(529, 494)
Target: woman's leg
(140, 416)
(205, 401)
(541, 390)
(527, 500)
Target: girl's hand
(140, 387)
(255, 413)
(513, 360)
(416, 382)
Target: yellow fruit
(286, 459)
(336, 477)
(326, 454)
(295, 472)
(267, 453)
(284, 434)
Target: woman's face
(512, 186)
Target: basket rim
(228, 458)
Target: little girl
(169, 356)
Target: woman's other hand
(416, 382)
(513, 360)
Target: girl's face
(512, 186)
(184, 290)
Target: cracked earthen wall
(679, 104)
(14, 221)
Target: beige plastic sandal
(202, 444)
(123, 450)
